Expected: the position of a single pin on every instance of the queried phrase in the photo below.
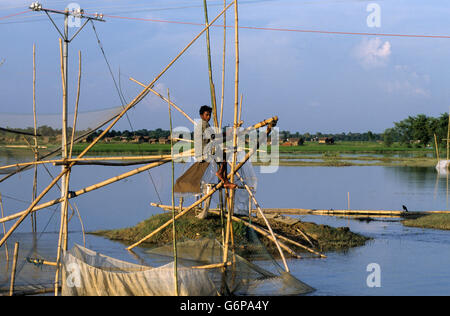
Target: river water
(408, 261)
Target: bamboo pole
(214, 265)
(250, 193)
(305, 237)
(448, 137)
(223, 64)
(4, 227)
(240, 111)
(93, 187)
(165, 99)
(75, 115)
(198, 202)
(13, 271)
(34, 194)
(174, 230)
(211, 82)
(265, 234)
(76, 160)
(236, 97)
(437, 148)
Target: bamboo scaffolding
(192, 206)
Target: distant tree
(388, 137)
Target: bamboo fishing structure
(151, 161)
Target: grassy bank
(121, 148)
(325, 238)
(354, 147)
(435, 221)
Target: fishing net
(16, 148)
(253, 271)
(88, 273)
(85, 120)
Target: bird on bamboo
(405, 208)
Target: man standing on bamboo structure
(208, 147)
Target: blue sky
(313, 82)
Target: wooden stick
(211, 83)
(198, 202)
(162, 97)
(13, 272)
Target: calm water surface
(412, 261)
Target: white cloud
(373, 53)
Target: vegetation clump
(435, 221)
(324, 238)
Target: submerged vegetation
(325, 238)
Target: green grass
(123, 148)
(436, 221)
(353, 147)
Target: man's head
(205, 113)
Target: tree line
(418, 130)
